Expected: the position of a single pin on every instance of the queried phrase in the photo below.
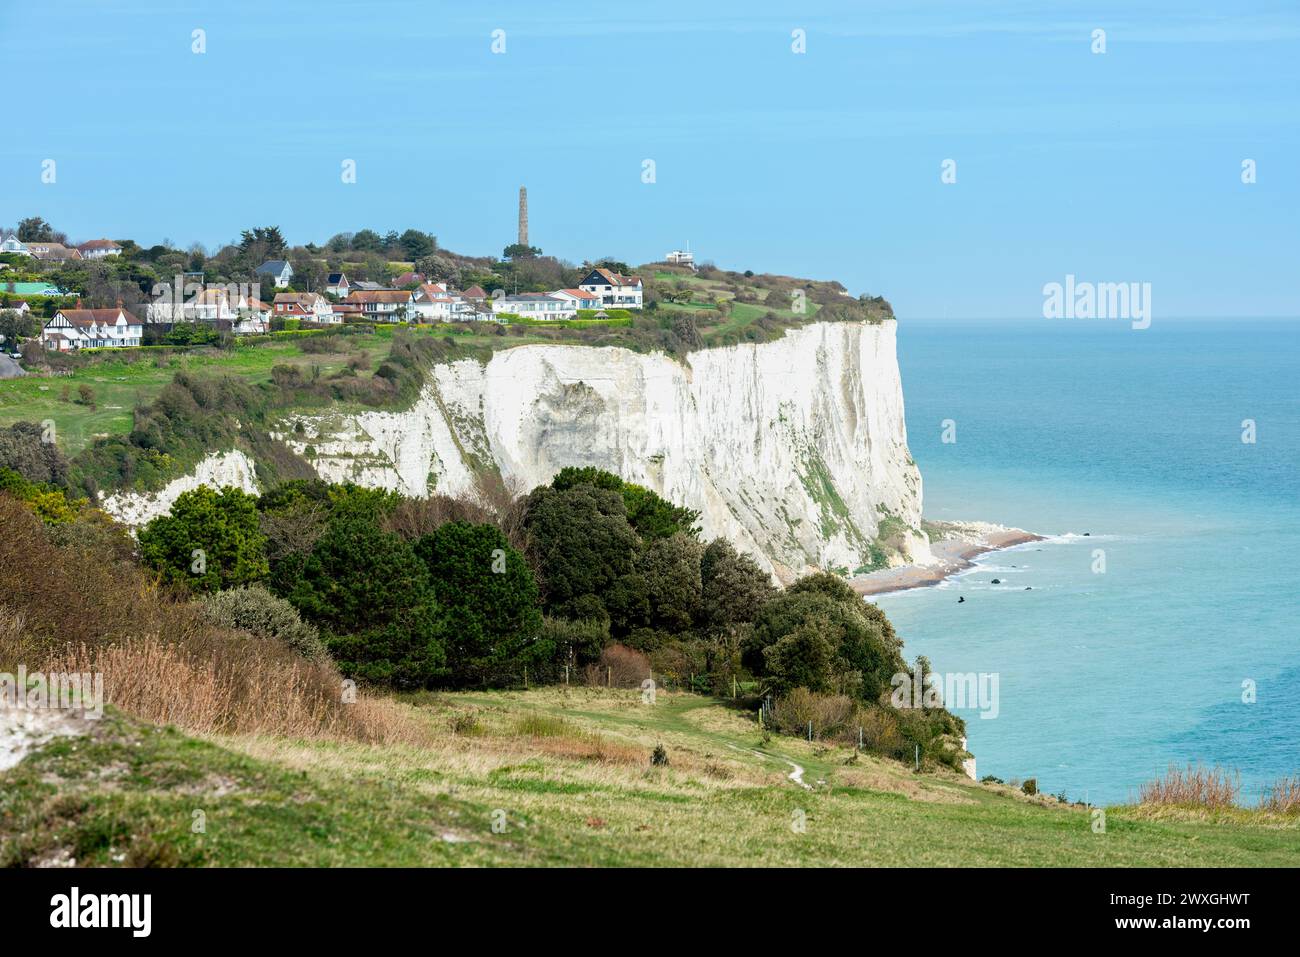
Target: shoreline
(954, 553)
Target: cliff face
(795, 450)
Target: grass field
(563, 776)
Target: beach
(955, 548)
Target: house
(349, 311)
(385, 305)
(210, 305)
(278, 271)
(72, 329)
(311, 306)
(12, 244)
(409, 279)
(434, 302)
(474, 294)
(337, 285)
(365, 285)
(254, 317)
(18, 305)
(99, 248)
(623, 292)
(535, 305)
(580, 298)
(52, 252)
(679, 257)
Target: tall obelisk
(523, 216)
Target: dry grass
(1282, 796)
(75, 610)
(1213, 788)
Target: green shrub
(255, 610)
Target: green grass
(568, 771)
(121, 384)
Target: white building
(72, 329)
(99, 248)
(278, 270)
(12, 244)
(615, 291)
(434, 302)
(681, 257)
(310, 306)
(535, 305)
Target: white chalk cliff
(796, 449)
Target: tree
(34, 229)
(370, 595)
(584, 550)
(670, 568)
(866, 652)
(210, 540)
(416, 245)
(28, 450)
(488, 598)
(733, 587)
(520, 251)
(366, 240)
(650, 514)
(16, 326)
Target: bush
(829, 714)
(263, 615)
(619, 667)
(208, 541)
(1030, 786)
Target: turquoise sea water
(1135, 437)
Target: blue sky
(1124, 166)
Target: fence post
(609, 676)
(810, 729)
(918, 757)
(525, 677)
(733, 687)
(859, 737)
(566, 674)
(760, 716)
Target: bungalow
(278, 270)
(18, 305)
(535, 305)
(385, 305)
(337, 285)
(99, 248)
(625, 292)
(580, 298)
(409, 279)
(474, 294)
(10, 243)
(91, 329)
(52, 252)
(311, 306)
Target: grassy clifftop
(563, 776)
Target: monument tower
(523, 216)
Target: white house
(580, 298)
(337, 285)
(91, 329)
(385, 305)
(311, 306)
(19, 306)
(434, 302)
(279, 271)
(535, 305)
(12, 244)
(681, 257)
(622, 292)
(99, 248)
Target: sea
(1159, 622)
